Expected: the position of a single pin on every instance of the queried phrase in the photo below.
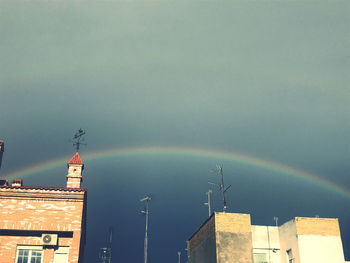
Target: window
(260, 258)
(29, 254)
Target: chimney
(4, 182)
(75, 169)
(17, 182)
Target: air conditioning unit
(49, 239)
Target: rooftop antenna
(78, 139)
(106, 252)
(146, 199)
(187, 248)
(275, 218)
(178, 257)
(221, 186)
(208, 203)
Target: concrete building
(44, 224)
(230, 237)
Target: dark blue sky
(268, 79)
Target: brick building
(229, 237)
(44, 224)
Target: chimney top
(17, 182)
(4, 182)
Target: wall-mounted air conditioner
(49, 239)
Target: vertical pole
(110, 245)
(208, 204)
(268, 237)
(146, 212)
(178, 257)
(222, 186)
(146, 233)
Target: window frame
(260, 253)
(31, 249)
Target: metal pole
(146, 234)
(222, 186)
(178, 257)
(208, 204)
(146, 212)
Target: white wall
(288, 240)
(266, 240)
(320, 249)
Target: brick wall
(317, 226)
(224, 238)
(26, 213)
(233, 238)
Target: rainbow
(187, 151)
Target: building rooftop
(45, 188)
(76, 159)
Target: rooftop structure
(230, 237)
(44, 224)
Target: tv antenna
(146, 199)
(106, 252)
(221, 186)
(78, 139)
(208, 203)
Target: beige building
(230, 237)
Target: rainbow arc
(278, 168)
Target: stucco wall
(288, 240)
(233, 238)
(205, 252)
(320, 249)
(319, 240)
(234, 247)
(266, 240)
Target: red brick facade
(27, 212)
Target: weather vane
(78, 139)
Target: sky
(262, 79)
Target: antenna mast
(208, 203)
(221, 186)
(146, 199)
(106, 252)
(78, 139)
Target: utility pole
(106, 252)
(146, 212)
(208, 203)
